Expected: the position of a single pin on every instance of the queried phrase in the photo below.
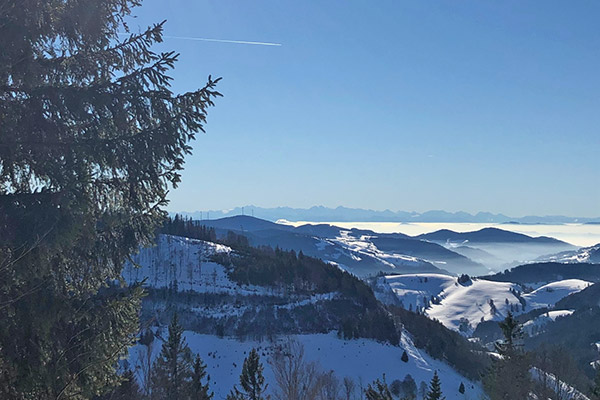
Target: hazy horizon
(249, 207)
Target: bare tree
(329, 386)
(144, 366)
(296, 378)
(349, 388)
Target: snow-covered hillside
(362, 360)
(584, 255)
(548, 295)
(535, 325)
(185, 264)
(461, 306)
(236, 316)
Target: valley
(254, 283)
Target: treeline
(186, 227)
(353, 311)
(177, 374)
(265, 317)
(546, 372)
(547, 272)
(442, 343)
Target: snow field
(363, 360)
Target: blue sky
(407, 105)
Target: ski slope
(362, 360)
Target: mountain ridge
(347, 214)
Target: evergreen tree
(378, 390)
(508, 376)
(91, 139)
(172, 373)
(435, 388)
(404, 356)
(461, 388)
(252, 381)
(128, 390)
(596, 387)
(198, 389)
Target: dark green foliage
(127, 390)
(404, 356)
(508, 376)
(198, 389)
(548, 272)
(186, 227)
(575, 332)
(435, 388)
(461, 388)
(442, 343)
(301, 275)
(596, 386)
(409, 388)
(172, 371)
(396, 387)
(586, 298)
(252, 382)
(558, 362)
(91, 139)
(274, 267)
(378, 390)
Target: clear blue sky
(410, 105)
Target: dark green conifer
(404, 356)
(435, 388)
(508, 376)
(91, 140)
(198, 389)
(252, 381)
(596, 387)
(172, 372)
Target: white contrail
(217, 40)
(222, 40)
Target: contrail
(223, 40)
(218, 40)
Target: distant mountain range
(365, 252)
(345, 214)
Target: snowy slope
(473, 303)
(454, 303)
(414, 290)
(548, 295)
(584, 255)
(362, 360)
(469, 301)
(184, 262)
(534, 326)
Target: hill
(461, 304)
(362, 252)
(230, 297)
(486, 235)
(584, 255)
(547, 272)
(497, 248)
